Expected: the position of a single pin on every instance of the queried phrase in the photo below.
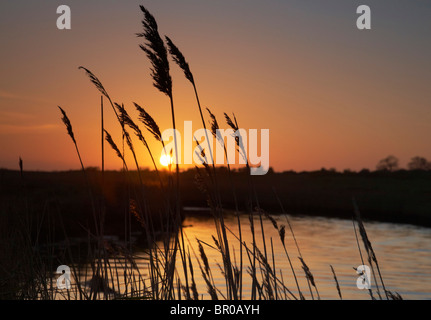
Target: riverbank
(401, 197)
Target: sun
(165, 160)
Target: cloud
(8, 95)
(14, 129)
(13, 96)
(16, 122)
(9, 116)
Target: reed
(179, 58)
(115, 148)
(156, 52)
(336, 283)
(214, 129)
(372, 259)
(104, 280)
(69, 129)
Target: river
(403, 252)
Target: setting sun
(165, 160)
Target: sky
(331, 95)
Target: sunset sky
(332, 96)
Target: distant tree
(364, 171)
(92, 169)
(270, 170)
(419, 163)
(389, 163)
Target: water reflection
(403, 252)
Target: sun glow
(165, 160)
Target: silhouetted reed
(156, 52)
(104, 279)
(149, 123)
(115, 148)
(336, 282)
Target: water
(403, 253)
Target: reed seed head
(149, 122)
(214, 124)
(113, 145)
(96, 82)
(180, 60)
(282, 233)
(66, 121)
(156, 52)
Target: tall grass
(112, 271)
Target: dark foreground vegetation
(401, 196)
(38, 209)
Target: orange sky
(331, 95)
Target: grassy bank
(402, 196)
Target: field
(402, 196)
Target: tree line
(391, 163)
